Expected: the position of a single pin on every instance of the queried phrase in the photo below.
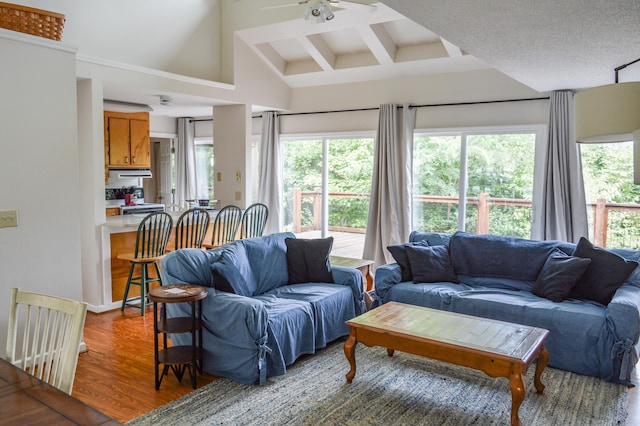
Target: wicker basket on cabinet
(32, 21)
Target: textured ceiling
(544, 44)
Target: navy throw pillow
(606, 273)
(227, 278)
(399, 253)
(308, 260)
(559, 275)
(431, 264)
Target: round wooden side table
(178, 358)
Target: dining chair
(254, 220)
(191, 228)
(48, 348)
(225, 226)
(151, 243)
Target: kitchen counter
(130, 222)
(119, 236)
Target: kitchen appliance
(130, 200)
(142, 208)
(115, 174)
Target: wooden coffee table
(498, 348)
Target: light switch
(238, 195)
(8, 218)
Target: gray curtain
(559, 206)
(185, 162)
(271, 163)
(389, 221)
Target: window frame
(539, 130)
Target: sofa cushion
(308, 260)
(498, 256)
(431, 264)
(267, 257)
(227, 278)
(606, 273)
(399, 253)
(559, 275)
(236, 254)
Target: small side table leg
(155, 343)
(350, 353)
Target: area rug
(399, 390)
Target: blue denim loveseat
(495, 277)
(253, 336)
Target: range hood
(129, 173)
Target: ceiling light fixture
(166, 100)
(610, 113)
(318, 12)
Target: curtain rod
(377, 108)
(413, 106)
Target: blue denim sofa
(495, 279)
(250, 338)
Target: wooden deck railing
(600, 210)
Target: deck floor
(345, 244)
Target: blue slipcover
(248, 339)
(496, 276)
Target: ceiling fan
(321, 10)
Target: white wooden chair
(51, 338)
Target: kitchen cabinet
(113, 211)
(126, 140)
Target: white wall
(38, 170)
(232, 153)
(184, 29)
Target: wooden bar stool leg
(143, 287)
(126, 289)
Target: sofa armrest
(353, 278)
(235, 335)
(386, 277)
(623, 320)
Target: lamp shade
(608, 113)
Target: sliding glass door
(327, 184)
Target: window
(613, 201)
(327, 185)
(204, 169)
(480, 182)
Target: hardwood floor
(116, 373)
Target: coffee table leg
(350, 353)
(516, 382)
(543, 359)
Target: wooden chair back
(225, 225)
(51, 338)
(254, 220)
(191, 228)
(153, 235)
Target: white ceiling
(544, 44)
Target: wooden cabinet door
(119, 142)
(140, 144)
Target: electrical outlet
(238, 195)
(219, 176)
(8, 218)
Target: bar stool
(151, 242)
(191, 228)
(225, 226)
